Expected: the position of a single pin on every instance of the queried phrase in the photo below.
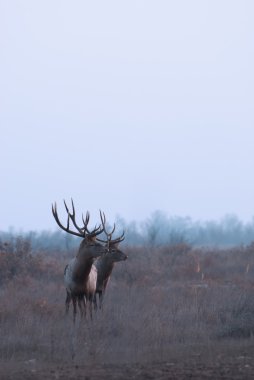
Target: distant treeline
(158, 230)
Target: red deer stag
(105, 264)
(77, 272)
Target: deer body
(80, 278)
(104, 269)
(76, 273)
(79, 268)
(80, 275)
(105, 265)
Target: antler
(67, 228)
(96, 231)
(72, 216)
(82, 231)
(109, 234)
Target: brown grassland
(170, 312)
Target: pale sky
(126, 106)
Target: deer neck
(106, 268)
(82, 269)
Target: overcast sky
(128, 106)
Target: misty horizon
(157, 230)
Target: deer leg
(74, 302)
(90, 299)
(100, 300)
(67, 302)
(80, 306)
(84, 305)
(95, 302)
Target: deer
(105, 264)
(79, 269)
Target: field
(170, 312)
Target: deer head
(89, 245)
(114, 253)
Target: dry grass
(160, 301)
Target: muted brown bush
(159, 300)
(18, 261)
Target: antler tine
(119, 239)
(68, 211)
(108, 234)
(73, 208)
(68, 222)
(104, 225)
(54, 211)
(67, 229)
(103, 219)
(103, 222)
(113, 230)
(72, 216)
(86, 221)
(66, 207)
(96, 231)
(55, 214)
(87, 217)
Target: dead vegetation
(166, 300)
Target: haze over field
(130, 107)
